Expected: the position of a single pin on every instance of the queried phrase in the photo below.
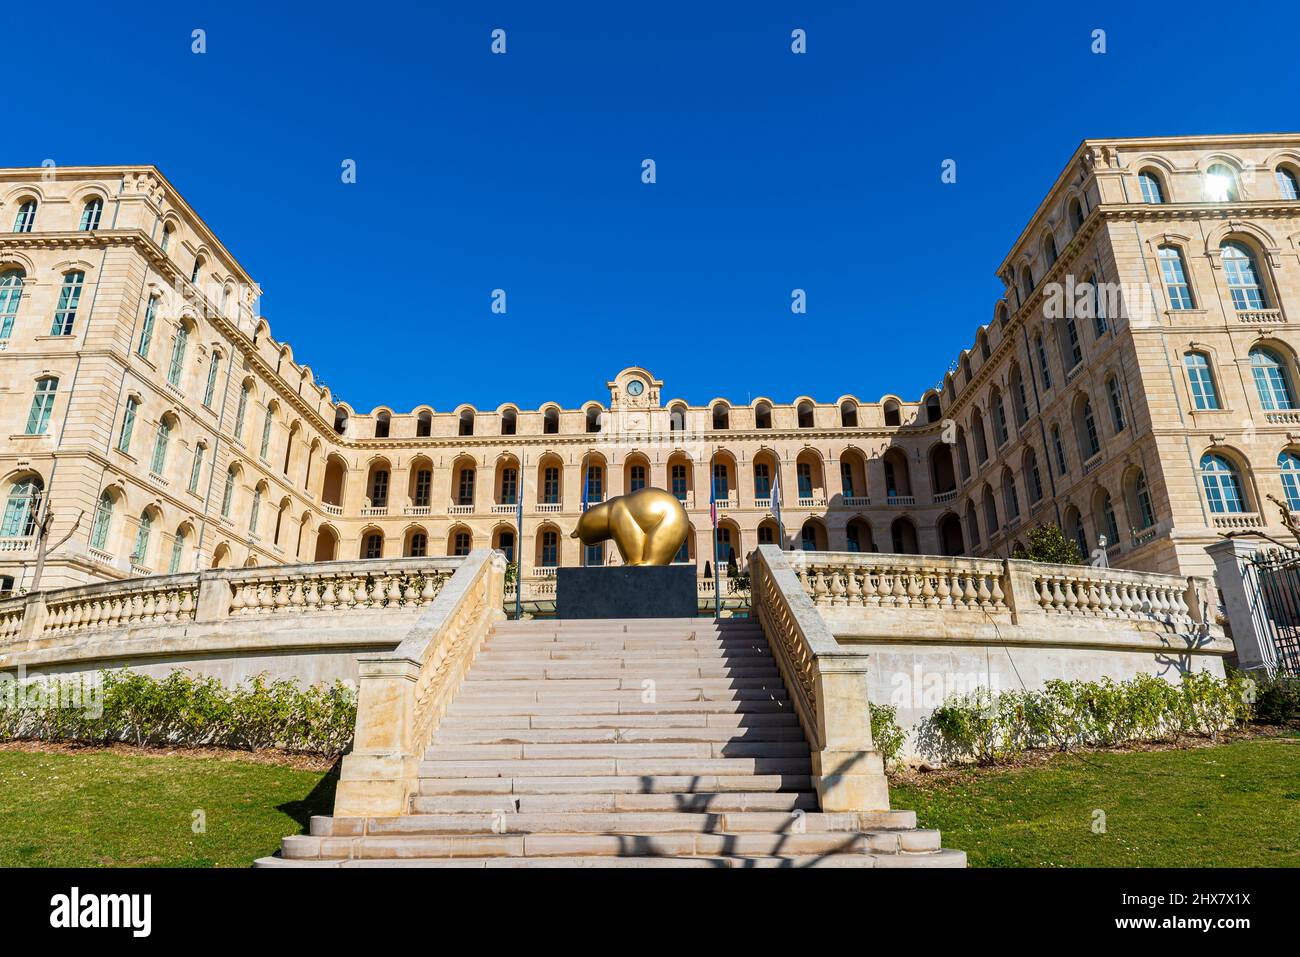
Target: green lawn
(98, 808)
(1233, 805)
(1236, 805)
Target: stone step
(878, 841)
(468, 707)
(614, 767)
(780, 719)
(461, 735)
(659, 844)
(625, 625)
(473, 694)
(698, 803)
(618, 750)
(511, 679)
(684, 650)
(944, 858)
(615, 784)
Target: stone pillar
(375, 776)
(1242, 604)
(847, 770)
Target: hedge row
(181, 709)
(988, 727)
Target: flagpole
(713, 510)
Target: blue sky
(523, 172)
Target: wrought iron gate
(1273, 583)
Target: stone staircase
(646, 743)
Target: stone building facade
(1137, 381)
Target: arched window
(419, 546)
(340, 420)
(551, 421)
(159, 460)
(461, 543)
(805, 415)
(1049, 249)
(467, 422)
(26, 217)
(1000, 431)
(1026, 283)
(1174, 272)
(933, 413)
(509, 422)
(1287, 183)
(893, 417)
(972, 524)
(808, 537)
(1152, 191)
(103, 521)
(848, 414)
(65, 314)
(177, 365)
(594, 418)
(550, 548)
(1221, 184)
(1076, 213)
(677, 419)
(22, 508)
(1033, 477)
(1243, 278)
(128, 424)
(1222, 484)
(423, 425)
(38, 418)
(266, 430)
(1062, 466)
(383, 423)
(166, 238)
(374, 546)
(11, 293)
(90, 214)
(990, 511)
(198, 265)
(1289, 463)
(721, 416)
(1108, 521)
(981, 440)
(1116, 404)
(196, 467)
(1201, 377)
(1272, 381)
(763, 416)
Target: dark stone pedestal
(624, 591)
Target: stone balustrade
(218, 594)
(403, 694)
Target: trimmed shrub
(988, 728)
(181, 709)
(885, 732)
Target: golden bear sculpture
(648, 526)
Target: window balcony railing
(903, 500)
(942, 497)
(331, 509)
(763, 503)
(812, 501)
(374, 510)
(460, 509)
(19, 544)
(141, 571)
(1282, 418)
(1238, 520)
(725, 504)
(101, 556)
(1093, 462)
(855, 501)
(1142, 536)
(157, 479)
(1260, 315)
(1069, 376)
(503, 508)
(417, 510)
(550, 508)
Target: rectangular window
(1076, 352)
(1043, 365)
(196, 469)
(423, 487)
(266, 433)
(551, 485)
(846, 479)
(379, 489)
(146, 330)
(11, 293)
(177, 365)
(595, 485)
(1000, 421)
(803, 472)
(550, 546)
(1202, 380)
(594, 554)
(69, 298)
(465, 488)
(1059, 447)
(159, 461)
(1175, 277)
(509, 486)
(228, 495)
(679, 482)
(38, 419)
(762, 481)
(210, 390)
(721, 486)
(128, 424)
(637, 481)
